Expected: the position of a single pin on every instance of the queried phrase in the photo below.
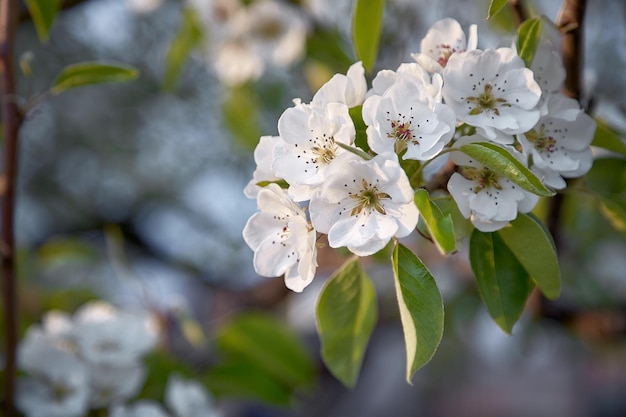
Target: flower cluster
(92, 360)
(317, 177)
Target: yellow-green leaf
(93, 72)
(188, 38)
(500, 161)
(494, 7)
(346, 316)
(441, 227)
(43, 13)
(367, 25)
(421, 308)
(607, 138)
(528, 36)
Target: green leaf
(607, 181)
(188, 38)
(268, 344)
(441, 227)
(329, 47)
(500, 161)
(361, 136)
(494, 7)
(367, 25)
(43, 13)
(421, 308)
(93, 72)
(528, 36)
(606, 138)
(243, 379)
(241, 115)
(346, 316)
(534, 250)
(503, 282)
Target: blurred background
(134, 193)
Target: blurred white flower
(444, 38)
(107, 336)
(187, 398)
(144, 6)
(57, 385)
(548, 71)
(362, 203)
(493, 91)
(142, 408)
(282, 239)
(111, 385)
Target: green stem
(356, 151)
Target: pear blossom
(401, 119)
(493, 91)
(282, 239)
(560, 142)
(105, 335)
(548, 71)
(187, 398)
(310, 134)
(489, 200)
(349, 89)
(362, 203)
(444, 38)
(429, 86)
(109, 384)
(57, 385)
(141, 408)
(263, 156)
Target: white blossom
(493, 91)
(560, 140)
(310, 134)
(348, 89)
(282, 239)
(57, 385)
(141, 408)
(489, 200)
(105, 335)
(263, 156)
(429, 86)
(113, 384)
(187, 398)
(443, 39)
(548, 71)
(401, 119)
(362, 203)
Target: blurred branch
(12, 119)
(518, 8)
(570, 20)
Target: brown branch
(12, 119)
(570, 21)
(518, 8)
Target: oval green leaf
(503, 282)
(269, 345)
(500, 161)
(346, 316)
(494, 7)
(367, 25)
(93, 72)
(188, 38)
(606, 138)
(440, 227)
(421, 308)
(534, 250)
(528, 36)
(43, 13)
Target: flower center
(541, 141)
(400, 131)
(269, 29)
(60, 392)
(486, 101)
(326, 152)
(485, 178)
(369, 199)
(445, 51)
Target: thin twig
(12, 119)
(518, 8)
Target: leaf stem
(356, 151)
(12, 119)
